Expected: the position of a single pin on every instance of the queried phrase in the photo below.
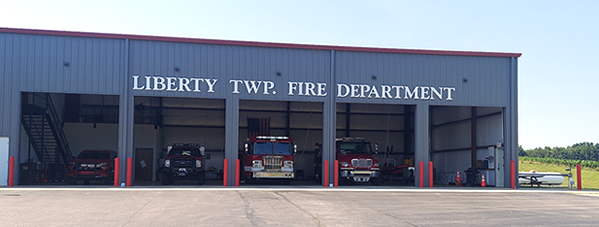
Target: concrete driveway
(284, 206)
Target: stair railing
(55, 122)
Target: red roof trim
(256, 44)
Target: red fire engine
(356, 161)
(268, 157)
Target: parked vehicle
(540, 178)
(92, 165)
(356, 161)
(268, 157)
(183, 161)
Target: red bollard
(326, 173)
(430, 174)
(225, 172)
(421, 175)
(236, 172)
(578, 177)
(117, 171)
(129, 171)
(11, 171)
(513, 174)
(336, 174)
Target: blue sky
(558, 74)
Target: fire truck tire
(376, 181)
(86, 182)
(202, 178)
(345, 181)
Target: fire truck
(356, 160)
(184, 161)
(268, 157)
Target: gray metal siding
(487, 85)
(6, 93)
(36, 63)
(229, 62)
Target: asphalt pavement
(294, 206)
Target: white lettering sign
(295, 88)
(307, 89)
(161, 83)
(252, 87)
(394, 92)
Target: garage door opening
(468, 140)
(288, 132)
(179, 141)
(390, 130)
(58, 130)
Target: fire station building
(66, 92)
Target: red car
(92, 165)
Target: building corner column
(329, 125)
(126, 118)
(232, 136)
(421, 137)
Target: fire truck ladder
(46, 137)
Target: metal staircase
(46, 137)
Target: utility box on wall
(4, 161)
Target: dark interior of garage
(58, 127)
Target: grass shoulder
(590, 177)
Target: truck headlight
(257, 163)
(344, 164)
(167, 163)
(198, 163)
(288, 164)
(377, 165)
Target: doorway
(143, 164)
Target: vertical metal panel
(511, 122)
(10, 97)
(5, 91)
(421, 133)
(126, 118)
(231, 134)
(489, 128)
(329, 132)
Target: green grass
(590, 177)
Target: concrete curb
(299, 189)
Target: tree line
(579, 151)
